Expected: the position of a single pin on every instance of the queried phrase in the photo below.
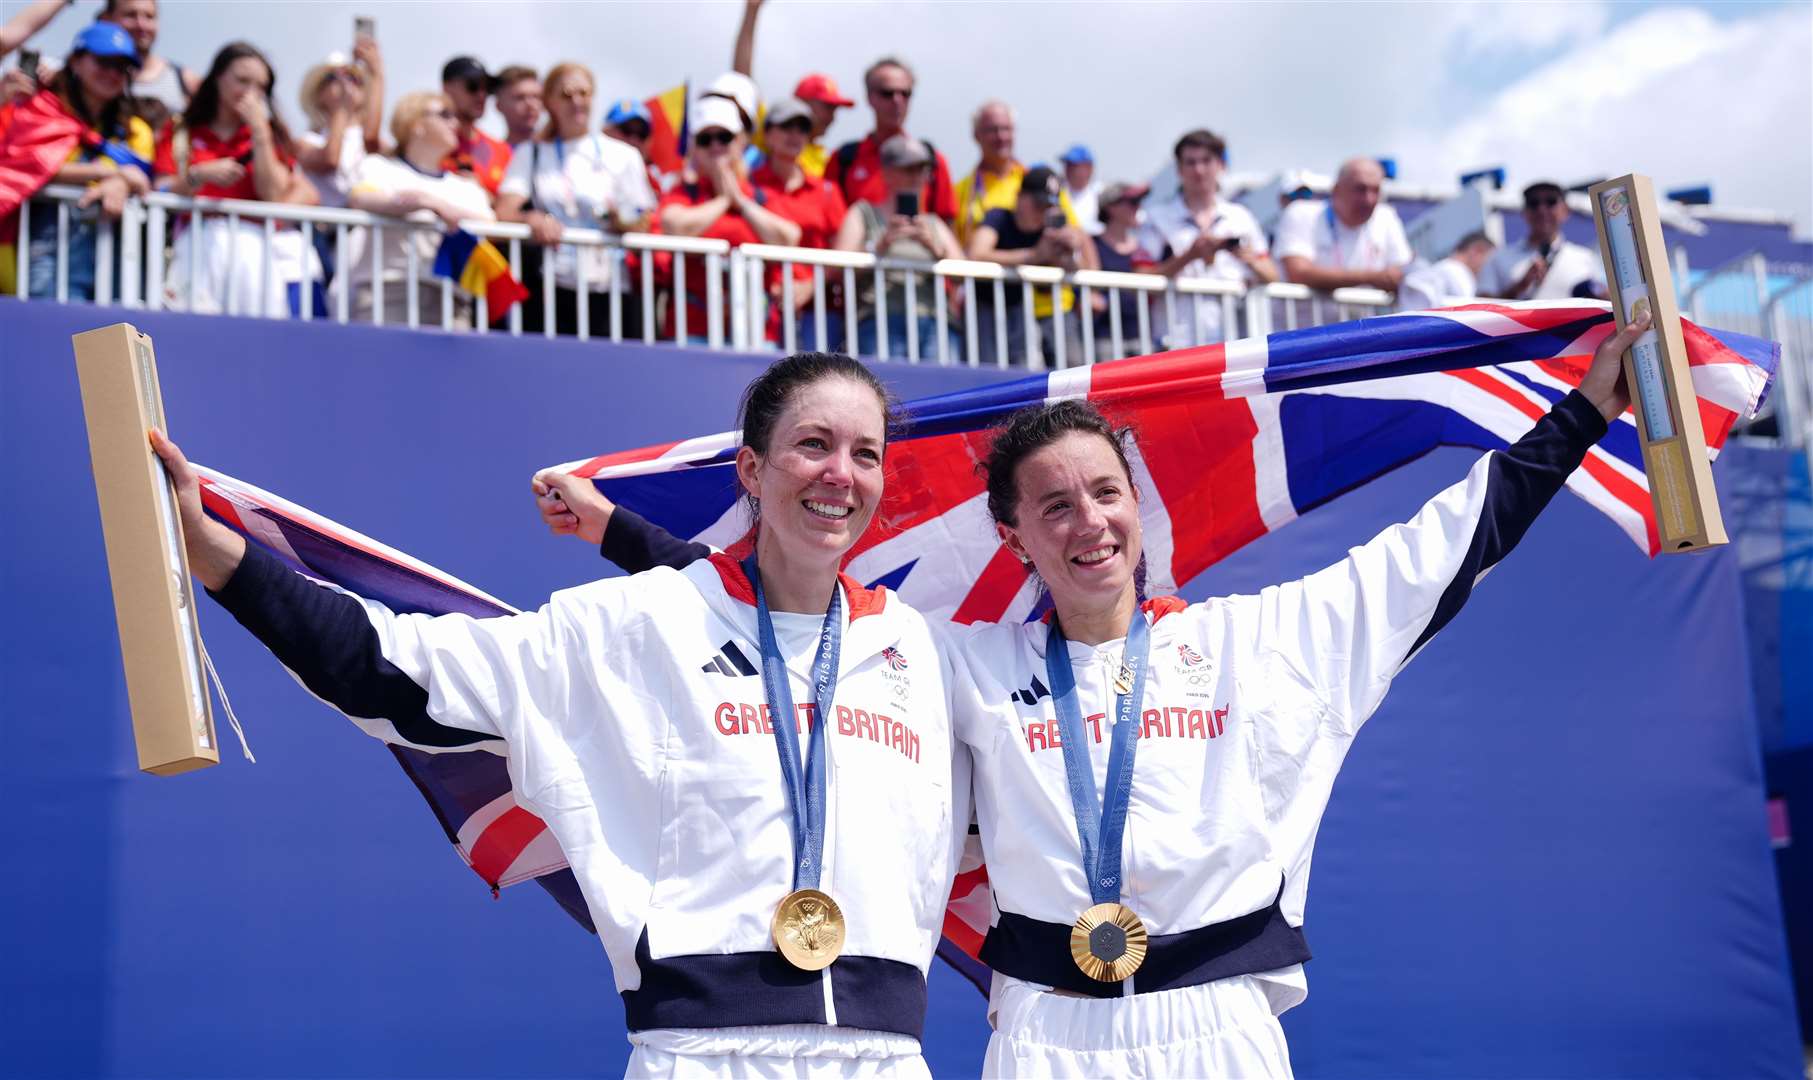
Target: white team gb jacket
(1251, 703)
(633, 715)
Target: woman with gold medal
(1150, 900)
(760, 920)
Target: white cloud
(1674, 93)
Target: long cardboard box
(1668, 410)
(153, 599)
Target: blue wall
(1546, 856)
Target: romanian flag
(476, 265)
(667, 131)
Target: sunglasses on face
(118, 64)
(1545, 201)
(799, 127)
(713, 138)
(904, 95)
(633, 131)
(474, 85)
(348, 77)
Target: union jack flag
(1246, 435)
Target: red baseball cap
(816, 87)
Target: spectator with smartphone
(1354, 238)
(162, 88)
(519, 102)
(1081, 187)
(414, 183)
(343, 99)
(1546, 265)
(79, 128)
(899, 227)
(994, 183)
(856, 166)
(1038, 231)
(468, 85)
(570, 176)
(1118, 248)
(232, 144)
(1197, 234)
(715, 200)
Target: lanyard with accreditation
(1108, 941)
(808, 926)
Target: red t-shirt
(206, 145)
(482, 158)
(815, 206)
(865, 182)
(730, 226)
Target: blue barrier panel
(1547, 855)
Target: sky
(1718, 93)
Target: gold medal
(1108, 942)
(808, 929)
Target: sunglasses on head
(904, 95)
(715, 137)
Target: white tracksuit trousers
(785, 1052)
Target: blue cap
(105, 39)
(1077, 155)
(626, 109)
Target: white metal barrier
(163, 249)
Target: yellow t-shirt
(977, 194)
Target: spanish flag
(476, 265)
(667, 130)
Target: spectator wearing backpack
(856, 166)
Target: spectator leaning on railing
(468, 86)
(1448, 281)
(1197, 234)
(1038, 231)
(783, 186)
(519, 103)
(162, 87)
(856, 166)
(1352, 239)
(80, 128)
(900, 228)
(714, 200)
(231, 144)
(1546, 265)
(414, 183)
(344, 103)
(570, 176)
(1118, 248)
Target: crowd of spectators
(118, 117)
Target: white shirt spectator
(1087, 205)
(1441, 284)
(1311, 230)
(1570, 264)
(1169, 228)
(579, 182)
(392, 176)
(334, 186)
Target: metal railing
(237, 257)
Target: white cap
(710, 112)
(737, 87)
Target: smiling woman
(754, 925)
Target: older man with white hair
(1352, 238)
(994, 184)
